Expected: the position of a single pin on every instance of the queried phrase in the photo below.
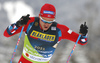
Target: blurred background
(71, 13)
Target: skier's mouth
(45, 27)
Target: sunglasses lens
(46, 21)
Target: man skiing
(42, 34)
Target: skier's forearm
(6, 33)
(73, 37)
(12, 30)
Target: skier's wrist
(18, 24)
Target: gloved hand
(83, 29)
(23, 20)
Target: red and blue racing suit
(39, 45)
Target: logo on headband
(48, 12)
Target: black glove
(83, 29)
(23, 20)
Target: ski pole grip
(28, 15)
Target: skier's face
(46, 22)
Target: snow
(17, 9)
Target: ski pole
(16, 45)
(73, 48)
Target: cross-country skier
(42, 34)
